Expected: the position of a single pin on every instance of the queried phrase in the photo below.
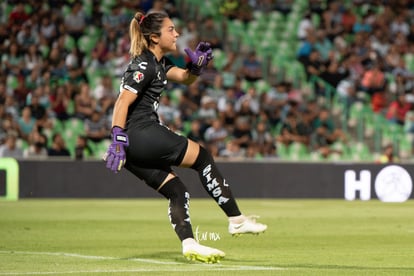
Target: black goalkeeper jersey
(146, 77)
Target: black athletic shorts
(152, 150)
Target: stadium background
(312, 237)
(269, 29)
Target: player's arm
(179, 75)
(124, 100)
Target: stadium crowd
(61, 63)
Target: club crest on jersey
(138, 76)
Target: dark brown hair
(141, 28)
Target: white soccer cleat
(201, 253)
(248, 226)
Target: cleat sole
(210, 259)
(247, 233)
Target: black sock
(214, 183)
(178, 211)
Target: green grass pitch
(134, 237)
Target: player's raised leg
(217, 187)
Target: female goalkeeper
(149, 150)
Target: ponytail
(138, 41)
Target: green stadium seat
(298, 151)
(360, 152)
(69, 42)
(86, 44)
(220, 59)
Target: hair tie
(142, 19)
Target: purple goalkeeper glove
(199, 58)
(115, 156)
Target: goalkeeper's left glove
(199, 58)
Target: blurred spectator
(323, 45)
(38, 111)
(104, 93)
(398, 109)
(348, 19)
(85, 104)
(17, 17)
(251, 69)
(47, 28)
(215, 136)
(362, 24)
(100, 55)
(115, 21)
(373, 80)
(232, 151)
(388, 155)
(11, 107)
(178, 58)
(3, 94)
(189, 101)
(74, 62)
(96, 128)
(209, 32)
(208, 78)
(75, 21)
(392, 58)
(285, 7)
(355, 67)
(32, 59)
(157, 6)
(292, 131)
(27, 36)
(229, 9)
(9, 125)
(26, 123)
(12, 61)
(327, 132)
(167, 112)
(248, 104)
(332, 19)
(400, 25)
(37, 146)
(195, 133)
(188, 36)
(82, 149)
(305, 26)
(244, 11)
(10, 148)
(314, 66)
(409, 121)
(123, 48)
(207, 111)
(58, 146)
(242, 133)
(334, 73)
(60, 102)
(262, 139)
(380, 42)
(119, 61)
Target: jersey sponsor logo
(138, 76)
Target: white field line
(186, 268)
